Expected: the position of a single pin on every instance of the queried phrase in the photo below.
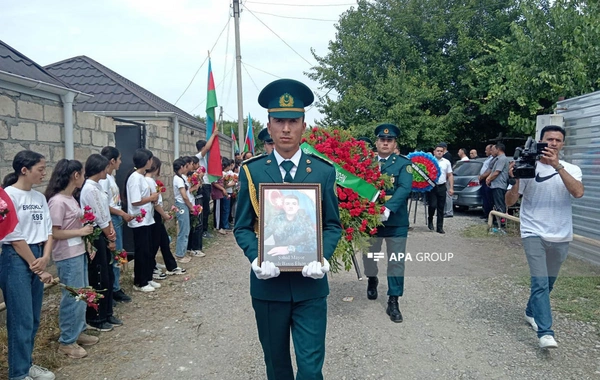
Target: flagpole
(238, 69)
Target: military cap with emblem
(286, 98)
(387, 130)
(265, 136)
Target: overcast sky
(161, 44)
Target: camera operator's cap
(286, 98)
(264, 136)
(387, 130)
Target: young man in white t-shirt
(203, 147)
(546, 226)
(436, 197)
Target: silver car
(466, 183)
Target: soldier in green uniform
(287, 302)
(395, 220)
(267, 140)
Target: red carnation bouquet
(89, 218)
(88, 294)
(196, 212)
(120, 256)
(160, 187)
(140, 217)
(359, 215)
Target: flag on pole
(214, 170)
(249, 145)
(236, 147)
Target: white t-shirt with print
(546, 210)
(35, 223)
(205, 166)
(110, 187)
(137, 189)
(178, 183)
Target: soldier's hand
(315, 269)
(385, 216)
(265, 271)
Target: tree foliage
(456, 70)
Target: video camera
(526, 158)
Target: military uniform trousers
(307, 321)
(395, 242)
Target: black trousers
(101, 277)
(498, 195)
(144, 262)
(486, 197)
(160, 239)
(195, 237)
(436, 198)
(205, 206)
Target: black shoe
(103, 326)
(440, 231)
(393, 310)
(430, 225)
(372, 288)
(448, 216)
(120, 296)
(114, 321)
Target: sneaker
(120, 296)
(156, 271)
(87, 340)
(114, 321)
(72, 350)
(222, 231)
(103, 326)
(547, 341)
(199, 253)
(207, 235)
(160, 266)
(184, 259)
(40, 373)
(531, 322)
(153, 284)
(146, 289)
(177, 270)
(160, 276)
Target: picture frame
(290, 233)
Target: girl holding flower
(100, 274)
(182, 202)
(25, 254)
(69, 254)
(159, 232)
(140, 203)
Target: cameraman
(546, 226)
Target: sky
(160, 45)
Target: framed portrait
(290, 234)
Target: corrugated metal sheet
(582, 148)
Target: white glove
(266, 271)
(315, 269)
(386, 214)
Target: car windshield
(468, 168)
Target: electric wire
(250, 76)
(293, 17)
(216, 86)
(202, 65)
(277, 35)
(301, 5)
(261, 70)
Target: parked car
(466, 183)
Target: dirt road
(462, 319)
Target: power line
(277, 35)
(249, 76)
(217, 86)
(295, 18)
(206, 59)
(302, 5)
(266, 72)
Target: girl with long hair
(182, 202)
(25, 255)
(140, 203)
(195, 196)
(117, 215)
(159, 232)
(69, 254)
(100, 273)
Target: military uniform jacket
(400, 170)
(288, 286)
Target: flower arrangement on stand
(88, 294)
(360, 189)
(89, 219)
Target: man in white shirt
(436, 198)
(546, 226)
(462, 153)
(484, 190)
(203, 147)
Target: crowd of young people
(51, 226)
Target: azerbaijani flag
(236, 147)
(249, 145)
(214, 170)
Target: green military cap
(387, 130)
(286, 98)
(265, 136)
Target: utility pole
(221, 118)
(238, 69)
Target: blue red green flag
(214, 170)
